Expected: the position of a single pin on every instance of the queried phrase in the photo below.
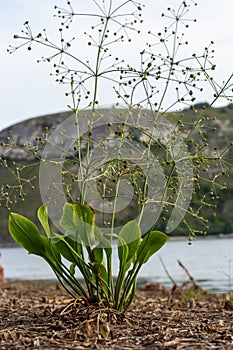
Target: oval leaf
(150, 244)
(129, 235)
(42, 214)
(26, 234)
(78, 222)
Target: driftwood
(186, 286)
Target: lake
(208, 260)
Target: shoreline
(142, 284)
(173, 238)
(202, 237)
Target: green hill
(31, 131)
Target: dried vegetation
(38, 315)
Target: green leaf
(64, 249)
(130, 237)
(79, 259)
(51, 254)
(123, 251)
(98, 254)
(102, 241)
(72, 269)
(78, 222)
(129, 240)
(25, 233)
(150, 244)
(104, 278)
(42, 215)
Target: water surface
(209, 261)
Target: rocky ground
(40, 315)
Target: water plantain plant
(140, 165)
(86, 248)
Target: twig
(188, 274)
(167, 273)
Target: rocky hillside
(28, 132)
(31, 130)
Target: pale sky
(27, 90)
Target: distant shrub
(200, 105)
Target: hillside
(31, 131)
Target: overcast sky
(27, 90)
